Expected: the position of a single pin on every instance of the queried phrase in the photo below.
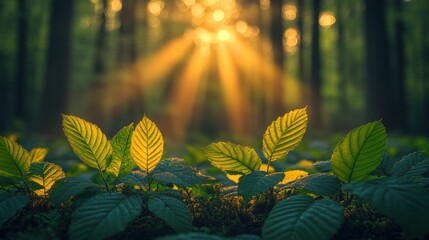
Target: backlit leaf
(9, 205)
(319, 183)
(87, 142)
(303, 218)
(359, 152)
(14, 160)
(232, 158)
(405, 201)
(171, 211)
(257, 182)
(38, 154)
(45, 174)
(122, 162)
(147, 145)
(411, 165)
(284, 134)
(292, 175)
(103, 216)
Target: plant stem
(104, 180)
(268, 165)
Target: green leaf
(257, 182)
(230, 157)
(403, 200)
(147, 145)
(45, 175)
(122, 162)
(171, 211)
(323, 166)
(411, 165)
(301, 217)
(87, 142)
(103, 216)
(65, 188)
(14, 160)
(135, 177)
(359, 152)
(319, 183)
(175, 171)
(385, 167)
(284, 134)
(10, 204)
(38, 154)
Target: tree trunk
(343, 78)
(376, 62)
(100, 42)
(276, 35)
(127, 51)
(55, 95)
(21, 84)
(301, 66)
(397, 107)
(316, 81)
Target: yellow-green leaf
(122, 162)
(293, 175)
(44, 174)
(284, 134)
(359, 152)
(38, 154)
(14, 159)
(147, 145)
(232, 158)
(87, 142)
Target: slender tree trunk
(397, 111)
(376, 62)
(301, 62)
(55, 95)
(21, 83)
(343, 78)
(276, 34)
(316, 81)
(127, 51)
(100, 42)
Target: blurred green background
(214, 69)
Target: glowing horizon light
(116, 5)
(155, 7)
(197, 10)
(327, 19)
(189, 3)
(223, 35)
(241, 27)
(218, 15)
(289, 11)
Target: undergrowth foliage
(135, 183)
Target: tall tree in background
(55, 95)
(276, 35)
(301, 69)
(316, 81)
(127, 50)
(397, 106)
(100, 42)
(376, 61)
(342, 58)
(21, 83)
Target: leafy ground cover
(368, 189)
